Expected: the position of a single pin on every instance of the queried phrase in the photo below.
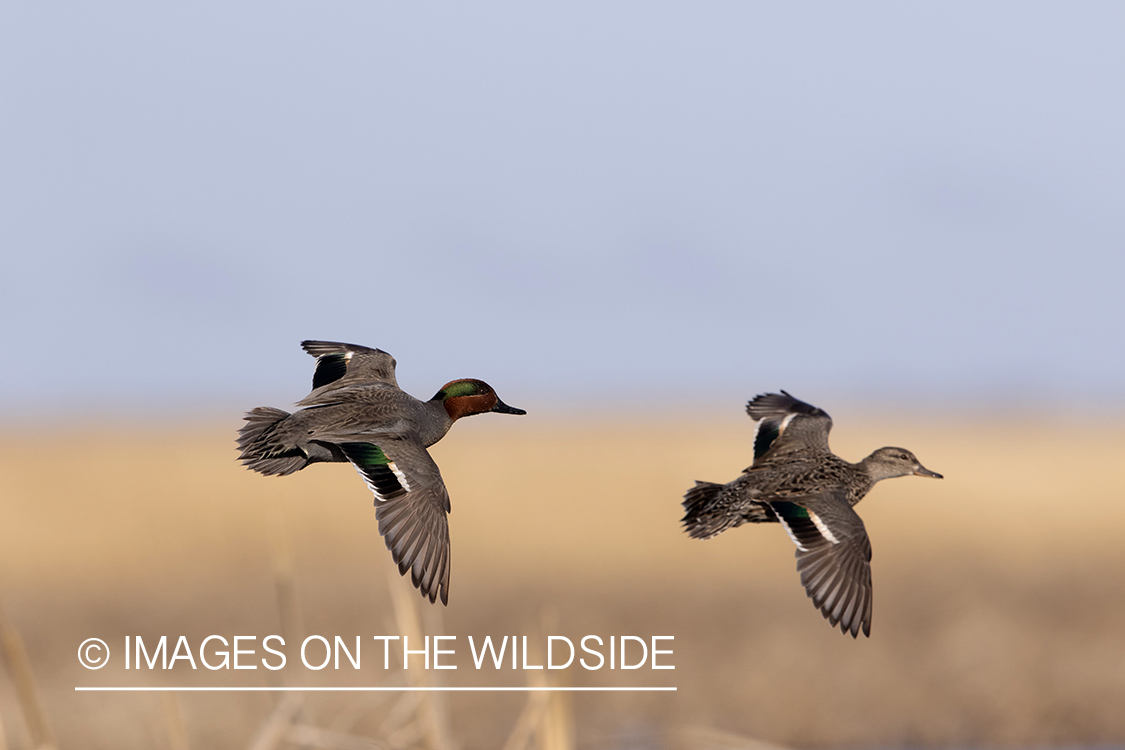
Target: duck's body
(361, 413)
(797, 481)
(357, 413)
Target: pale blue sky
(606, 201)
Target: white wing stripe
(401, 477)
(822, 528)
(789, 531)
(371, 485)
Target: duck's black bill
(922, 471)
(505, 409)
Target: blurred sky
(590, 202)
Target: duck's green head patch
(463, 398)
(461, 388)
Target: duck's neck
(876, 470)
(434, 428)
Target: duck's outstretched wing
(787, 424)
(833, 557)
(336, 361)
(411, 504)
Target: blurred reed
(709, 738)
(546, 716)
(174, 722)
(11, 644)
(431, 714)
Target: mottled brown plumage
(797, 481)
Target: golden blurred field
(999, 591)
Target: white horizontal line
(371, 689)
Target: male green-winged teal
(356, 412)
(796, 480)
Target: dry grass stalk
(432, 713)
(529, 719)
(357, 709)
(174, 721)
(288, 600)
(273, 730)
(400, 713)
(709, 738)
(556, 729)
(311, 736)
(406, 736)
(547, 715)
(285, 583)
(11, 644)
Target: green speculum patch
(366, 454)
(791, 510)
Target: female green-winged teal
(796, 480)
(356, 412)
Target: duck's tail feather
(262, 449)
(709, 512)
(705, 513)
